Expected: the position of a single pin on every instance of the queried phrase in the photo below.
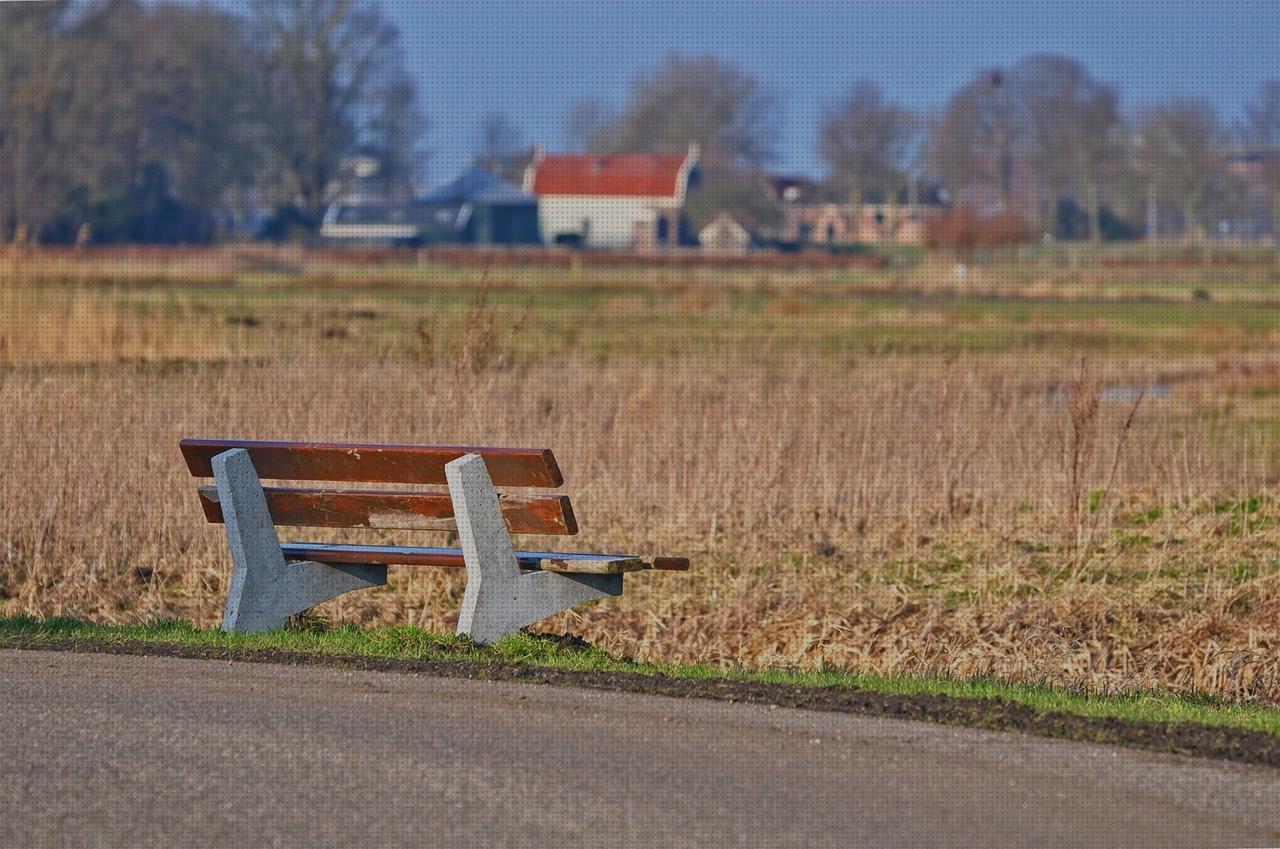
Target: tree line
(157, 122)
(1043, 141)
(166, 122)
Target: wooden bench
(506, 589)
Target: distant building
(477, 208)
(823, 223)
(490, 210)
(373, 224)
(812, 215)
(623, 202)
(725, 236)
(1254, 219)
(898, 224)
(869, 223)
(795, 189)
(359, 180)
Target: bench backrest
(526, 513)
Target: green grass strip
(410, 643)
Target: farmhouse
(624, 202)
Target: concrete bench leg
(265, 589)
(500, 599)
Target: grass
(411, 643)
(871, 469)
(219, 305)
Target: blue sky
(532, 59)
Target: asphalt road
(106, 750)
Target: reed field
(1049, 467)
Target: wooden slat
(417, 511)
(374, 554)
(414, 464)
(452, 557)
(589, 565)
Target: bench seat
(546, 561)
(506, 589)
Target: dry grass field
(1053, 468)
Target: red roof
(628, 174)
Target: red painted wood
(374, 554)
(425, 511)
(412, 464)
(409, 464)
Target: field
(1053, 467)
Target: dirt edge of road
(1196, 740)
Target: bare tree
(1180, 142)
(499, 143)
(1262, 131)
(395, 135)
(144, 118)
(123, 112)
(729, 114)
(1262, 117)
(1036, 132)
(328, 59)
(204, 121)
(981, 134)
(36, 82)
(1077, 139)
(867, 144)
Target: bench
(506, 589)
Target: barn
(631, 201)
(489, 210)
(477, 208)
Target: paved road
(101, 750)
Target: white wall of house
(606, 222)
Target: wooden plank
(376, 554)
(452, 557)
(416, 511)
(590, 566)
(413, 464)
